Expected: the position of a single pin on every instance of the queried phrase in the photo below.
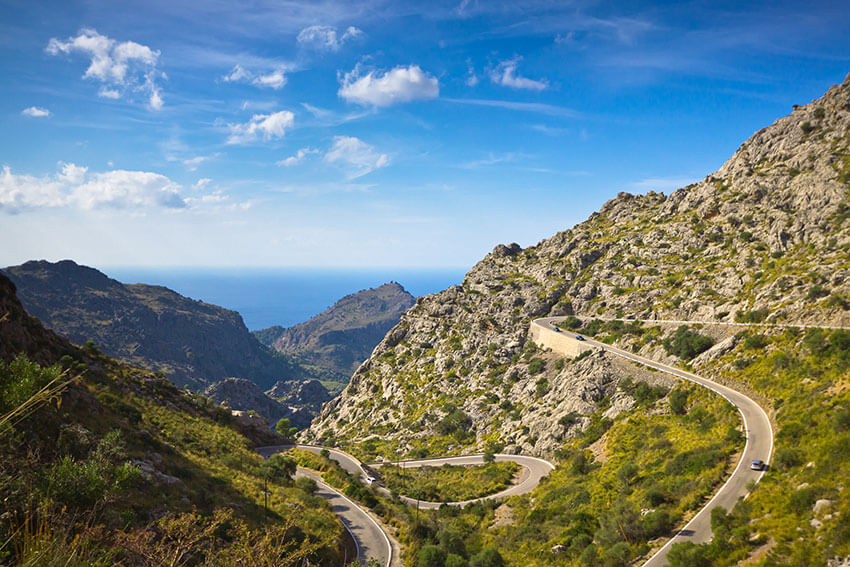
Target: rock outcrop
(766, 237)
(332, 344)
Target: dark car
(758, 465)
(556, 329)
(579, 338)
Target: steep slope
(243, 395)
(123, 468)
(192, 342)
(764, 238)
(336, 341)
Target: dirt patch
(838, 387)
(759, 553)
(502, 516)
(599, 448)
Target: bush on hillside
(686, 344)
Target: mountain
(334, 343)
(763, 238)
(192, 342)
(762, 242)
(120, 467)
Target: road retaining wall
(562, 342)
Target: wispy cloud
(355, 156)
(492, 159)
(265, 126)
(549, 130)
(274, 78)
(538, 107)
(506, 74)
(298, 157)
(325, 38)
(122, 68)
(401, 84)
(35, 112)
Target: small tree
(284, 427)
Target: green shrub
(816, 292)
(541, 387)
(431, 556)
(536, 366)
(689, 554)
(806, 127)
(656, 523)
(686, 344)
(788, 458)
(755, 342)
(678, 401)
(756, 316)
(455, 420)
(77, 484)
(618, 555)
(451, 540)
(487, 557)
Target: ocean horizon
(283, 296)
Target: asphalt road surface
(533, 470)
(372, 542)
(759, 445)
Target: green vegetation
(449, 483)
(83, 473)
(806, 374)
(686, 344)
(592, 507)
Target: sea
(283, 296)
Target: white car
(758, 465)
(370, 479)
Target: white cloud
(105, 92)
(505, 74)
(193, 163)
(355, 156)
(325, 38)
(298, 157)
(471, 78)
(537, 107)
(238, 73)
(401, 84)
(267, 126)
(275, 79)
(123, 68)
(72, 173)
(73, 186)
(35, 112)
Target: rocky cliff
(765, 238)
(333, 343)
(192, 342)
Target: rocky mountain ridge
(765, 238)
(192, 342)
(335, 342)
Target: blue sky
(331, 133)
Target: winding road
(533, 470)
(373, 543)
(758, 430)
(371, 540)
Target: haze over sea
(283, 296)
